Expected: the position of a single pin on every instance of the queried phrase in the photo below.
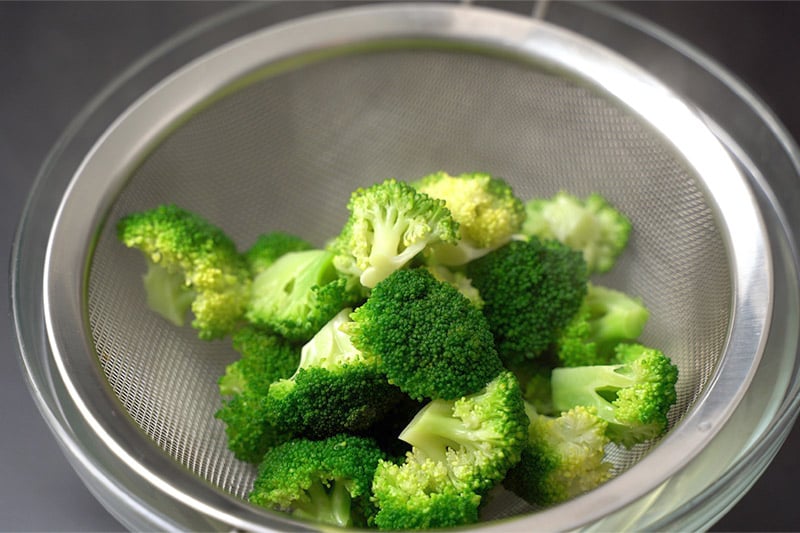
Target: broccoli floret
(335, 389)
(270, 246)
(265, 358)
(606, 318)
(592, 226)
(563, 458)
(633, 395)
(389, 224)
(486, 210)
(459, 280)
(201, 268)
(420, 495)
(299, 293)
(430, 340)
(531, 290)
(325, 481)
(460, 449)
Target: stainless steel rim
(106, 168)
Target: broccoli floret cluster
(445, 342)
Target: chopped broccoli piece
(486, 210)
(633, 395)
(459, 280)
(430, 340)
(325, 481)
(531, 290)
(592, 226)
(389, 224)
(270, 246)
(265, 358)
(563, 458)
(198, 260)
(335, 389)
(299, 293)
(606, 318)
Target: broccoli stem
(389, 252)
(434, 429)
(330, 505)
(595, 386)
(167, 293)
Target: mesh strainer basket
(275, 129)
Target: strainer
(274, 130)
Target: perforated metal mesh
(286, 151)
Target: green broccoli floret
(335, 389)
(420, 495)
(299, 293)
(633, 395)
(606, 318)
(531, 290)
(459, 280)
(191, 263)
(325, 481)
(430, 340)
(270, 246)
(389, 224)
(486, 210)
(265, 358)
(592, 226)
(563, 458)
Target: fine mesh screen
(286, 151)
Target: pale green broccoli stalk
(592, 226)
(531, 290)
(430, 340)
(191, 263)
(633, 395)
(563, 458)
(459, 280)
(460, 450)
(606, 318)
(265, 358)
(486, 209)
(327, 481)
(297, 294)
(270, 246)
(336, 388)
(389, 224)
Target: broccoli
(297, 294)
(633, 395)
(459, 280)
(335, 389)
(430, 340)
(389, 224)
(606, 318)
(265, 358)
(563, 458)
(460, 450)
(191, 263)
(592, 226)
(270, 246)
(325, 481)
(486, 210)
(531, 290)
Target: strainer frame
(66, 263)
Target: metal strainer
(273, 131)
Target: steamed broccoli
(389, 224)
(430, 340)
(327, 481)
(563, 458)
(191, 263)
(592, 226)
(265, 358)
(606, 318)
(336, 388)
(486, 210)
(633, 395)
(458, 279)
(298, 293)
(270, 246)
(531, 290)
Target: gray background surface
(55, 56)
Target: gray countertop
(55, 56)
